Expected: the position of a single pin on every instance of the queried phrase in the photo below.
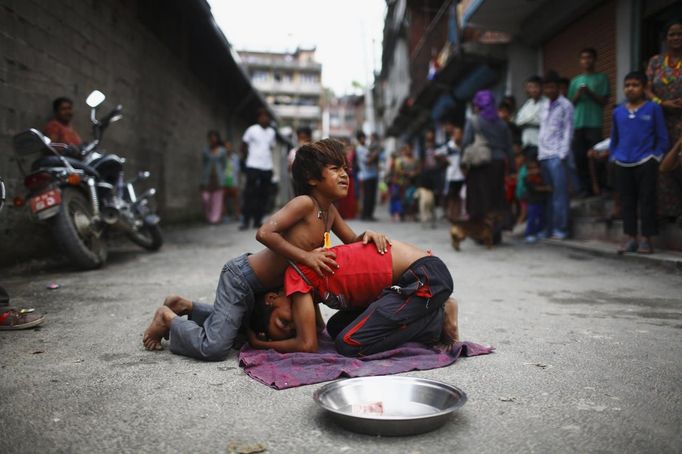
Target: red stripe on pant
(353, 330)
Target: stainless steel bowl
(410, 405)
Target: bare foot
(158, 328)
(178, 304)
(450, 333)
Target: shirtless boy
(295, 232)
(384, 300)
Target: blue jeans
(536, 219)
(554, 173)
(210, 330)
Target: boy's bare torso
(307, 234)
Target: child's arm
(270, 234)
(347, 236)
(303, 311)
(672, 159)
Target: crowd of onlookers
(506, 166)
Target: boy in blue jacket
(638, 142)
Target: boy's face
(551, 90)
(533, 90)
(281, 325)
(334, 182)
(587, 61)
(533, 168)
(303, 138)
(503, 113)
(457, 134)
(563, 89)
(64, 112)
(634, 90)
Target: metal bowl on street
(388, 405)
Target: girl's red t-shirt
(362, 274)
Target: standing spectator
(485, 183)
(589, 93)
(348, 206)
(564, 83)
(638, 142)
(454, 178)
(257, 145)
(214, 161)
(430, 182)
(231, 182)
(528, 117)
(59, 128)
(665, 88)
(368, 164)
(304, 135)
(554, 145)
(536, 190)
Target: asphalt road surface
(587, 358)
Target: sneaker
(645, 247)
(531, 239)
(20, 319)
(630, 246)
(558, 235)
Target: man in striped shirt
(554, 145)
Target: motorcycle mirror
(95, 99)
(115, 118)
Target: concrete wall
(68, 48)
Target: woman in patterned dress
(665, 88)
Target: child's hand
(379, 239)
(321, 261)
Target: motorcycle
(82, 193)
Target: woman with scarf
(485, 199)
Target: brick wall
(596, 29)
(68, 48)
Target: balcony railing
(308, 112)
(271, 86)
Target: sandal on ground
(645, 248)
(20, 319)
(629, 247)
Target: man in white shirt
(528, 117)
(257, 145)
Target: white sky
(342, 30)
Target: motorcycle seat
(54, 161)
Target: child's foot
(450, 332)
(645, 247)
(158, 328)
(179, 305)
(630, 246)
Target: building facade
(291, 83)
(346, 115)
(166, 62)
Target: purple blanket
(288, 370)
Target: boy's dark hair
(260, 316)
(311, 159)
(262, 111)
(637, 75)
(505, 105)
(534, 80)
(304, 130)
(57, 103)
(213, 132)
(360, 135)
(589, 50)
(552, 77)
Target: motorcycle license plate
(46, 200)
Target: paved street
(588, 358)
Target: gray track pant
(210, 330)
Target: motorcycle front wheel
(74, 232)
(148, 236)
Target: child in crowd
(383, 301)
(454, 178)
(297, 232)
(639, 140)
(231, 182)
(536, 197)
